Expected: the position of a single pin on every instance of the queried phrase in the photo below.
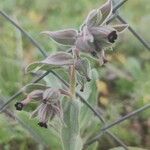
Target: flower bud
(103, 36)
(81, 80)
(47, 111)
(83, 67)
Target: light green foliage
(71, 130)
(131, 71)
(47, 137)
(130, 148)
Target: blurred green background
(123, 85)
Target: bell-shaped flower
(104, 36)
(51, 95)
(47, 111)
(49, 107)
(35, 95)
(84, 42)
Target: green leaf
(87, 116)
(120, 27)
(94, 18)
(106, 11)
(34, 86)
(130, 148)
(71, 132)
(66, 37)
(52, 62)
(47, 137)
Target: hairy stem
(73, 81)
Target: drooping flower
(35, 95)
(83, 68)
(47, 111)
(94, 36)
(49, 107)
(104, 36)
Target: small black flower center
(112, 36)
(44, 101)
(88, 79)
(42, 124)
(94, 54)
(19, 106)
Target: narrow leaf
(121, 28)
(47, 137)
(34, 86)
(60, 59)
(106, 11)
(130, 148)
(94, 18)
(52, 62)
(65, 37)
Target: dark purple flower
(34, 95)
(42, 124)
(112, 36)
(19, 106)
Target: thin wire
(104, 129)
(134, 33)
(20, 92)
(34, 42)
(44, 54)
(118, 5)
(126, 117)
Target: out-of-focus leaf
(44, 136)
(130, 148)
(66, 37)
(6, 134)
(102, 87)
(133, 66)
(93, 146)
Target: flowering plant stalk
(94, 37)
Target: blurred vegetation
(123, 85)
